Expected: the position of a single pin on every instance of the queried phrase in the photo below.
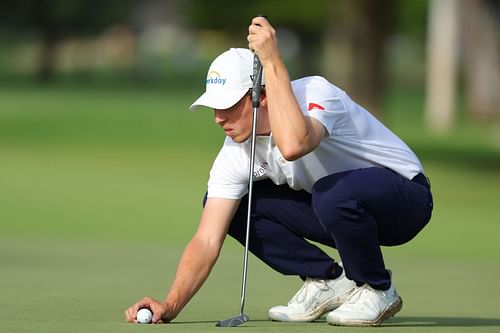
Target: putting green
(82, 286)
(100, 190)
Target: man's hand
(196, 262)
(294, 134)
(159, 309)
(262, 40)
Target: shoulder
(310, 84)
(316, 88)
(316, 92)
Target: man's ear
(263, 97)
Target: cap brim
(219, 99)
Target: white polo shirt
(355, 140)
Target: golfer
(325, 171)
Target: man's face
(237, 120)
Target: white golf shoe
(315, 298)
(366, 306)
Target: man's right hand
(159, 309)
(196, 262)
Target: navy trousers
(355, 212)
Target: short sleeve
(320, 100)
(229, 173)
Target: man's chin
(238, 139)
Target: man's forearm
(194, 267)
(294, 134)
(286, 120)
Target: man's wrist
(170, 311)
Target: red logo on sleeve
(314, 106)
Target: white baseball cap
(228, 80)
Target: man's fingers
(260, 33)
(255, 29)
(130, 315)
(143, 303)
(261, 21)
(258, 25)
(157, 308)
(157, 318)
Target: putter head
(232, 322)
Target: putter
(256, 92)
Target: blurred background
(101, 161)
(447, 49)
(119, 73)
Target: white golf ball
(144, 316)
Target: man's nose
(219, 116)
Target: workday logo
(213, 77)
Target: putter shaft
(256, 92)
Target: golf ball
(144, 316)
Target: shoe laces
(359, 292)
(310, 286)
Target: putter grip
(257, 78)
(257, 81)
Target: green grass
(100, 188)
(81, 286)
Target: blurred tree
(157, 26)
(409, 18)
(355, 59)
(481, 56)
(467, 28)
(352, 33)
(306, 21)
(53, 20)
(442, 49)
